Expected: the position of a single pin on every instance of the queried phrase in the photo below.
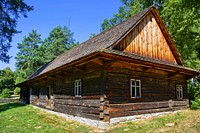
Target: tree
(182, 19)
(10, 11)
(29, 58)
(129, 8)
(5, 93)
(7, 79)
(183, 23)
(34, 52)
(59, 40)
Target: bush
(17, 91)
(196, 103)
(5, 93)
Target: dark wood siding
(62, 88)
(156, 85)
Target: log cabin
(132, 68)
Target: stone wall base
(104, 125)
(9, 100)
(116, 120)
(90, 122)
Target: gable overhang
(149, 63)
(155, 13)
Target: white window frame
(134, 88)
(77, 88)
(179, 91)
(31, 92)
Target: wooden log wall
(88, 108)
(104, 109)
(129, 109)
(90, 77)
(147, 39)
(62, 97)
(156, 85)
(25, 95)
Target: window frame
(77, 88)
(179, 90)
(135, 88)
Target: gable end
(149, 38)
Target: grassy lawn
(18, 118)
(187, 121)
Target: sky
(82, 17)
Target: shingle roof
(98, 42)
(104, 42)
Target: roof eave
(163, 65)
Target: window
(135, 88)
(30, 91)
(77, 88)
(179, 91)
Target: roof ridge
(145, 10)
(100, 41)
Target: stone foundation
(9, 100)
(116, 120)
(90, 122)
(103, 125)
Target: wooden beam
(98, 61)
(145, 68)
(81, 67)
(171, 74)
(44, 78)
(109, 63)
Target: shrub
(17, 91)
(196, 103)
(5, 93)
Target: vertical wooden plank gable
(147, 39)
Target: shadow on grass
(7, 106)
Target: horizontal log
(90, 116)
(63, 97)
(92, 97)
(137, 112)
(90, 110)
(137, 106)
(77, 113)
(90, 103)
(180, 103)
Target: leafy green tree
(7, 79)
(17, 91)
(10, 11)
(92, 35)
(128, 9)
(28, 59)
(59, 40)
(182, 19)
(34, 52)
(5, 93)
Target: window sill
(135, 97)
(77, 97)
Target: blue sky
(82, 17)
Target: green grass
(18, 118)
(187, 121)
